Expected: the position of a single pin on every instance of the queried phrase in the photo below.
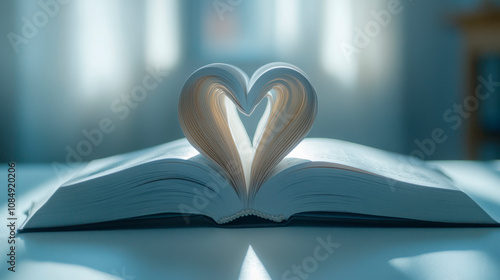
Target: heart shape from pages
(208, 115)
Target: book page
(179, 149)
(341, 154)
(479, 180)
(209, 107)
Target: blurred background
(396, 75)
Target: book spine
(251, 212)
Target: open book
(218, 175)
(318, 179)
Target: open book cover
(218, 175)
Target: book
(217, 176)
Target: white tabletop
(252, 253)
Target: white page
(179, 149)
(370, 160)
(479, 180)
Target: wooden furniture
(481, 31)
